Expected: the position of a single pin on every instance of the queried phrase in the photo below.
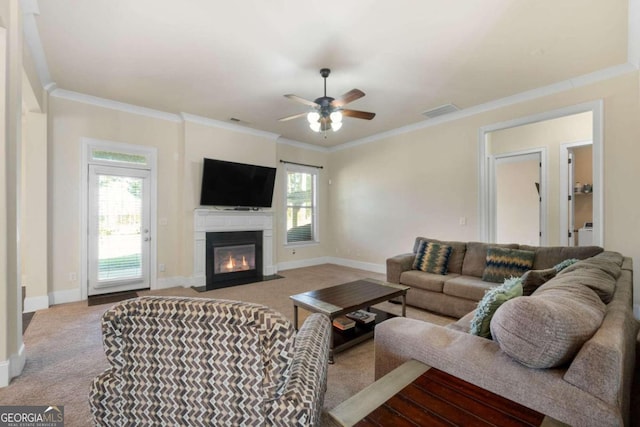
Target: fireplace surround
(225, 221)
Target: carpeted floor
(64, 347)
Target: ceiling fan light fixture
(336, 117)
(315, 126)
(313, 117)
(335, 126)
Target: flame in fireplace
(230, 264)
(245, 265)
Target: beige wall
(200, 141)
(549, 134)
(421, 183)
(34, 207)
(382, 194)
(295, 253)
(69, 122)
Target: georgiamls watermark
(31, 416)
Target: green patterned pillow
(503, 263)
(492, 300)
(432, 257)
(564, 264)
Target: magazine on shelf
(362, 316)
(343, 323)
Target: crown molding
(205, 121)
(576, 82)
(114, 105)
(303, 145)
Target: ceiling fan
(327, 112)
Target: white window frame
(315, 173)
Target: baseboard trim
(176, 282)
(13, 367)
(360, 265)
(309, 262)
(65, 296)
(32, 304)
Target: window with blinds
(301, 208)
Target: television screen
(236, 184)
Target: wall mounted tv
(236, 184)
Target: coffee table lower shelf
(343, 340)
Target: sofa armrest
(302, 399)
(397, 264)
(481, 362)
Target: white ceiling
(224, 59)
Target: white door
(119, 229)
(517, 198)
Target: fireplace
(233, 258)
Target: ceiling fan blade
(348, 97)
(302, 100)
(358, 114)
(294, 116)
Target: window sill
(301, 244)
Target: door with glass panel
(119, 229)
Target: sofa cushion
(597, 280)
(503, 263)
(467, 287)
(475, 258)
(458, 250)
(422, 280)
(548, 328)
(603, 264)
(548, 256)
(432, 257)
(488, 305)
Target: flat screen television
(236, 184)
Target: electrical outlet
(463, 220)
(73, 277)
(161, 267)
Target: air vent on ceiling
(440, 111)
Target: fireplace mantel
(211, 220)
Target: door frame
(564, 188)
(541, 153)
(87, 146)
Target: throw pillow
(533, 279)
(503, 263)
(492, 300)
(432, 257)
(564, 264)
(547, 330)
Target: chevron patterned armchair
(192, 361)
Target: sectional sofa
(567, 350)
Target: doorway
(576, 196)
(590, 112)
(119, 234)
(517, 178)
(119, 218)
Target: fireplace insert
(233, 258)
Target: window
(301, 204)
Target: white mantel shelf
(214, 220)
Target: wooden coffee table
(342, 299)
(415, 394)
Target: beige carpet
(64, 347)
